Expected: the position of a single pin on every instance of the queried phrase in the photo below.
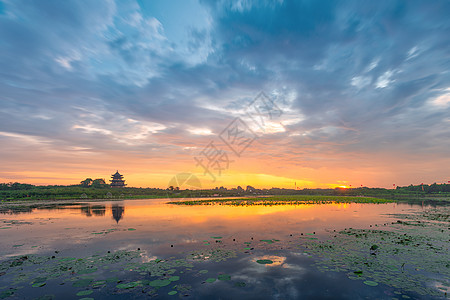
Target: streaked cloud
(360, 84)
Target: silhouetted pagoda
(117, 180)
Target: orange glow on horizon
(156, 172)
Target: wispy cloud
(367, 80)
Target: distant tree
(98, 183)
(87, 182)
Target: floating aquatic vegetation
(240, 284)
(7, 293)
(128, 285)
(270, 241)
(48, 297)
(370, 282)
(308, 238)
(159, 267)
(85, 282)
(171, 293)
(210, 280)
(84, 293)
(224, 277)
(399, 254)
(87, 271)
(65, 269)
(39, 284)
(183, 289)
(160, 283)
(282, 200)
(99, 283)
(264, 261)
(214, 255)
(67, 259)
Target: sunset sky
(358, 91)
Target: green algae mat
(282, 200)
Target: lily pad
(82, 282)
(128, 285)
(39, 284)
(224, 277)
(370, 283)
(84, 293)
(174, 278)
(216, 237)
(203, 271)
(66, 258)
(99, 283)
(210, 280)
(131, 229)
(159, 283)
(264, 261)
(171, 293)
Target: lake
(134, 249)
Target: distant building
(117, 180)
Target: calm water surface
(163, 231)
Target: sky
(262, 93)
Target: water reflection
(265, 245)
(96, 210)
(117, 212)
(85, 209)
